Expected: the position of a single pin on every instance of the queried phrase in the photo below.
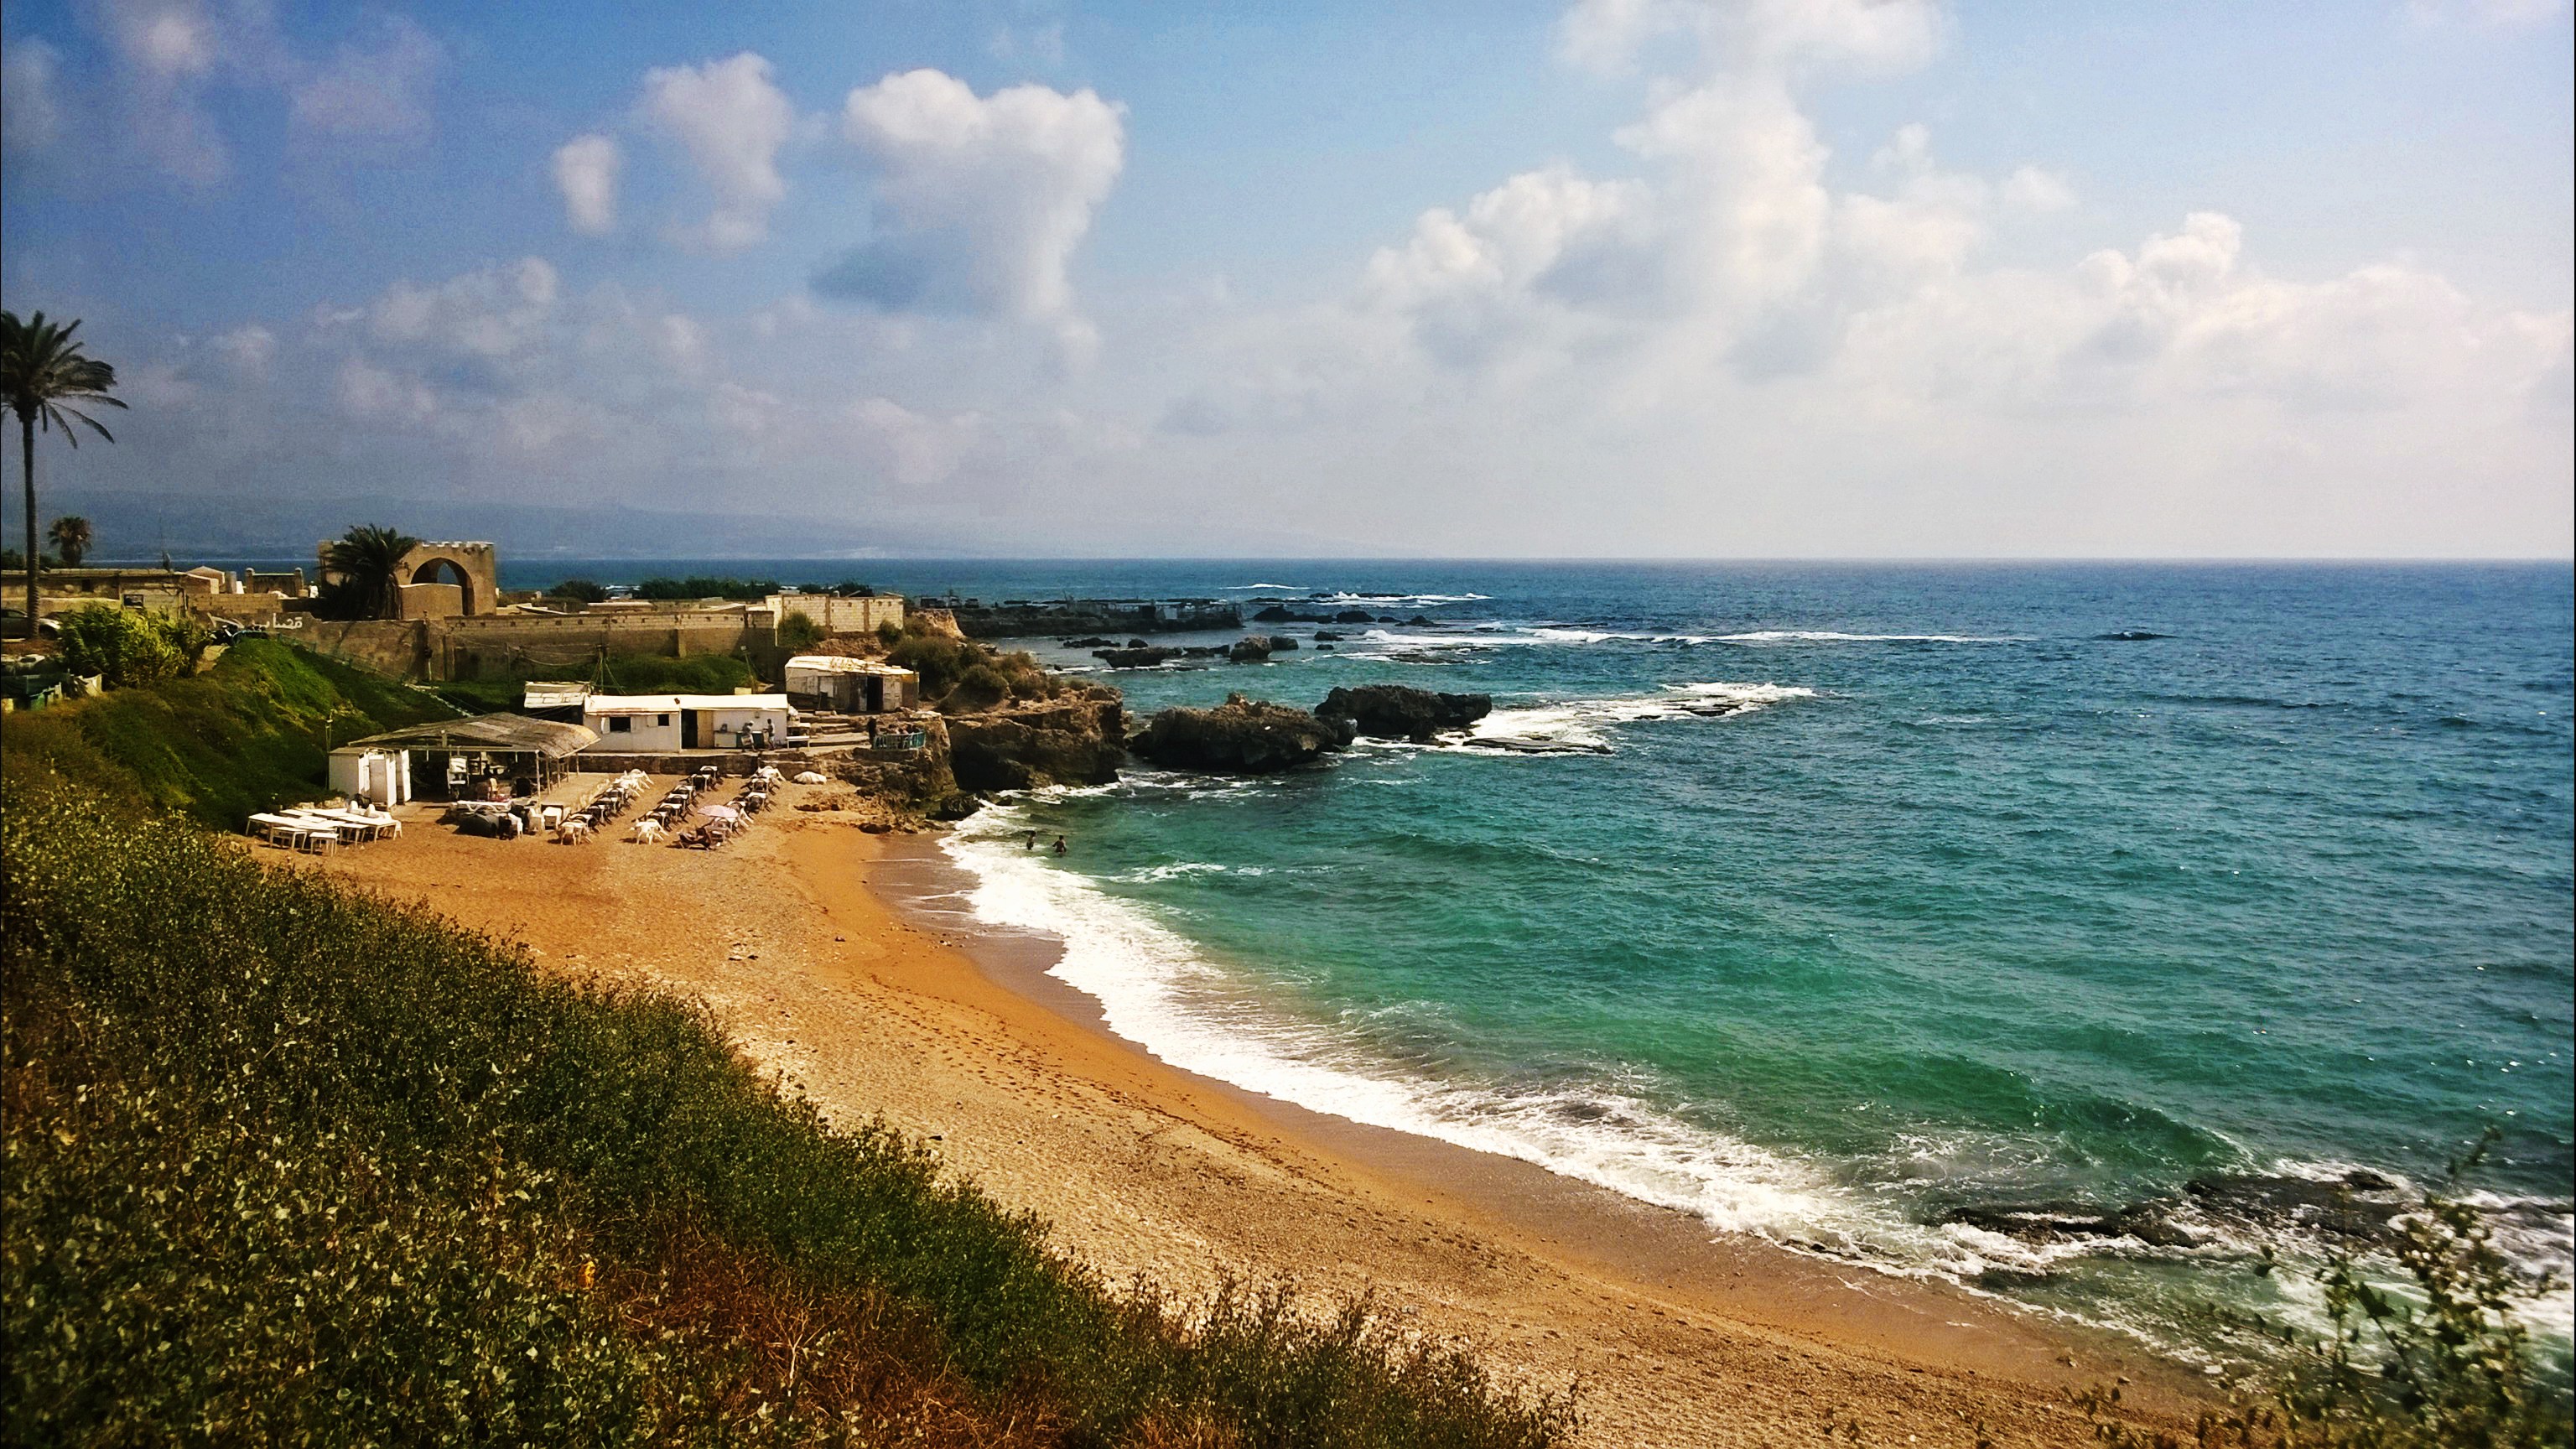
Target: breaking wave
(1829, 636)
(1576, 726)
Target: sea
(2076, 933)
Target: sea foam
(1577, 726)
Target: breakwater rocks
(1020, 619)
(1137, 654)
(1279, 614)
(1252, 737)
(1399, 712)
(1063, 741)
(1238, 737)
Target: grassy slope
(243, 736)
(288, 1164)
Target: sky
(1611, 278)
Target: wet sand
(844, 963)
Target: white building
(381, 775)
(655, 723)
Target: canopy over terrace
(486, 756)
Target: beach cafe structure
(487, 757)
(658, 723)
(850, 686)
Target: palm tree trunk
(27, 459)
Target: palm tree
(71, 539)
(368, 559)
(42, 372)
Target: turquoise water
(1827, 902)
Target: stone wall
(840, 615)
(388, 646)
(428, 601)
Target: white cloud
(2031, 189)
(165, 52)
(374, 92)
(494, 314)
(31, 115)
(980, 201)
(1753, 36)
(247, 350)
(730, 120)
(374, 394)
(585, 170)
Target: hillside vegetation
(244, 736)
(289, 1164)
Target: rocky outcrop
(1250, 649)
(1399, 712)
(1076, 738)
(1144, 657)
(1239, 737)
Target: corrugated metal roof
(841, 664)
(506, 732)
(554, 694)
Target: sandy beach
(842, 962)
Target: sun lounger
(341, 830)
(376, 827)
(299, 832)
(278, 830)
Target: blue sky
(1634, 277)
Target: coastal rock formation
(1250, 649)
(2356, 1208)
(1077, 738)
(1400, 712)
(1138, 657)
(1239, 737)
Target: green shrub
(2445, 1365)
(585, 590)
(288, 1163)
(799, 631)
(128, 647)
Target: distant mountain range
(134, 526)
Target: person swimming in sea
(1059, 845)
(1033, 840)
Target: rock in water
(1140, 657)
(1075, 739)
(1400, 712)
(1238, 737)
(1250, 649)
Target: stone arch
(472, 567)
